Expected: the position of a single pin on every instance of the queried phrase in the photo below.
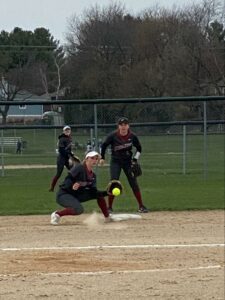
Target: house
(25, 113)
(53, 114)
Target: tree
(97, 48)
(31, 61)
(160, 52)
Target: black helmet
(123, 120)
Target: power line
(27, 46)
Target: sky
(54, 14)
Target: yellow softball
(116, 192)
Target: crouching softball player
(80, 186)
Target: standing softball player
(121, 141)
(64, 154)
(80, 186)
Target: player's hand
(76, 186)
(102, 162)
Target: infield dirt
(165, 255)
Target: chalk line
(87, 273)
(112, 247)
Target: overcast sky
(54, 14)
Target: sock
(54, 181)
(102, 204)
(137, 195)
(69, 211)
(110, 201)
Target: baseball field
(174, 252)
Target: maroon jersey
(121, 146)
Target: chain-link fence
(183, 146)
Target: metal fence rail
(90, 121)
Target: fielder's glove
(135, 168)
(114, 184)
(73, 160)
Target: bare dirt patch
(165, 255)
(12, 167)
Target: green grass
(26, 192)
(163, 185)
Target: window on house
(23, 106)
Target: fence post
(91, 138)
(2, 154)
(96, 127)
(184, 149)
(96, 133)
(205, 141)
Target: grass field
(163, 185)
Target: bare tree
(159, 52)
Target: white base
(123, 217)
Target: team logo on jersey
(124, 146)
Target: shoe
(55, 218)
(143, 209)
(108, 219)
(110, 210)
(51, 190)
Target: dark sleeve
(76, 170)
(95, 192)
(105, 144)
(137, 143)
(101, 193)
(70, 179)
(64, 147)
(68, 182)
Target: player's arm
(104, 146)
(138, 147)
(68, 183)
(94, 191)
(135, 166)
(73, 174)
(63, 147)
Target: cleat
(110, 210)
(55, 218)
(143, 209)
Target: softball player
(64, 154)
(80, 186)
(121, 141)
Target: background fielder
(64, 154)
(121, 141)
